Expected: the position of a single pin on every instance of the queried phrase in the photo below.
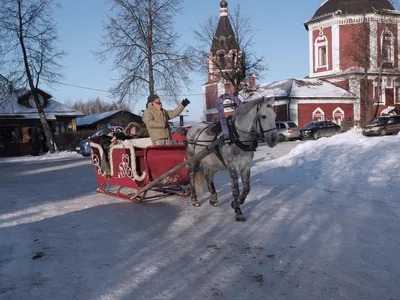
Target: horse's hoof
(196, 204)
(240, 218)
(215, 204)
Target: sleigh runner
(136, 164)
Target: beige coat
(156, 123)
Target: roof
(11, 108)
(330, 7)
(94, 118)
(301, 88)
(225, 30)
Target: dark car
(317, 129)
(84, 149)
(383, 126)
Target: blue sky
(279, 36)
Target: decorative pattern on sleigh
(135, 163)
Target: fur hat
(130, 126)
(151, 98)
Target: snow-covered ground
(47, 156)
(323, 222)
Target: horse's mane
(247, 106)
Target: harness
(234, 136)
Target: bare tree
(28, 34)
(370, 62)
(94, 106)
(236, 68)
(140, 35)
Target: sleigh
(137, 164)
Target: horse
(250, 122)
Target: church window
(222, 42)
(322, 56)
(387, 41)
(397, 100)
(321, 53)
(221, 61)
(379, 94)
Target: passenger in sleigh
(132, 131)
(110, 138)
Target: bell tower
(224, 55)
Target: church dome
(350, 7)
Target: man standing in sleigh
(157, 119)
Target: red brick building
(373, 28)
(335, 86)
(302, 99)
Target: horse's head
(261, 115)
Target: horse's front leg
(245, 175)
(192, 170)
(211, 187)
(233, 175)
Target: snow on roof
(54, 108)
(90, 119)
(302, 88)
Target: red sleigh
(136, 164)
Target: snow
(53, 109)
(322, 223)
(303, 88)
(44, 157)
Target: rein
(234, 132)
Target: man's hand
(185, 102)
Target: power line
(107, 91)
(82, 87)
(185, 95)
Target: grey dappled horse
(252, 121)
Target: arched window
(338, 115)
(387, 46)
(321, 53)
(318, 115)
(221, 61)
(222, 41)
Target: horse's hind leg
(233, 175)
(210, 183)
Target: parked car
(287, 130)
(178, 134)
(383, 126)
(84, 149)
(317, 129)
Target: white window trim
(341, 111)
(320, 42)
(383, 87)
(319, 110)
(391, 60)
(395, 86)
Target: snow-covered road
(310, 234)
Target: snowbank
(47, 156)
(346, 161)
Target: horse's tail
(199, 180)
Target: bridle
(235, 137)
